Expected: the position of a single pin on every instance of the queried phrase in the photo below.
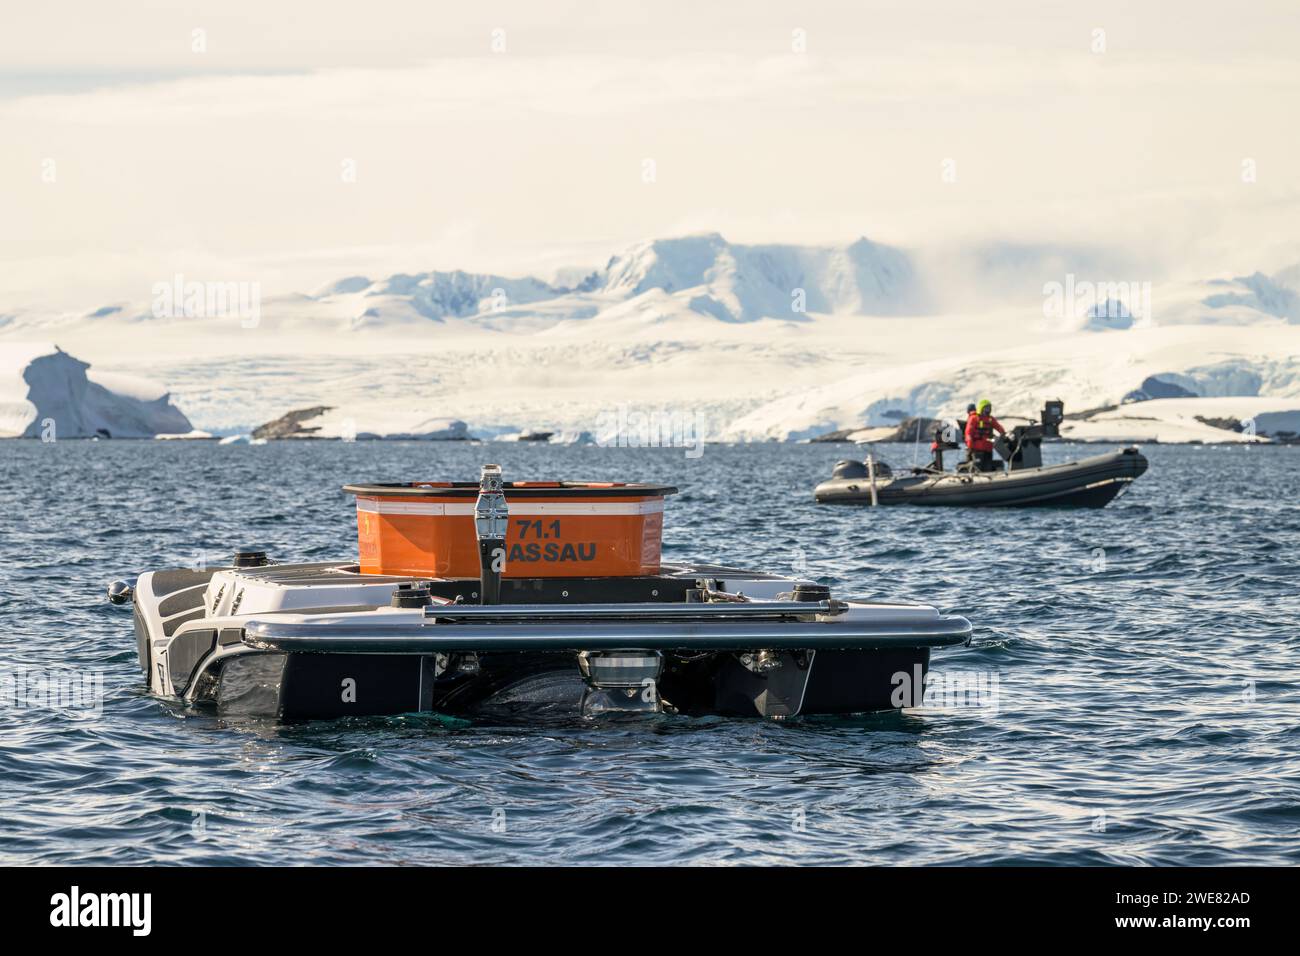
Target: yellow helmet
(985, 406)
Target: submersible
(465, 594)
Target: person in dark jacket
(980, 427)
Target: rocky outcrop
(1227, 424)
(1153, 388)
(290, 425)
(360, 423)
(905, 431)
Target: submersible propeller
(491, 519)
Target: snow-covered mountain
(438, 295)
(1270, 295)
(704, 274)
(759, 341)
(739, 283)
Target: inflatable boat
(1021, 480)
(474, 596)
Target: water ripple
(1146, 659)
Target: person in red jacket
(980, 427)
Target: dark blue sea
(1141, 668)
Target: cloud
(494, 161)
(605, 85)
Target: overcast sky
(296, 142)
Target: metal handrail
(351, 637)
(757, 610)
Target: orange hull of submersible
(555, 529)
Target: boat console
(1022, 447)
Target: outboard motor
(1053, 415)
(491, 517)
(944, 439)
(844, 468)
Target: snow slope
(44, 391)
(1189, 420)
(1085, 370)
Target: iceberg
(47, 393)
